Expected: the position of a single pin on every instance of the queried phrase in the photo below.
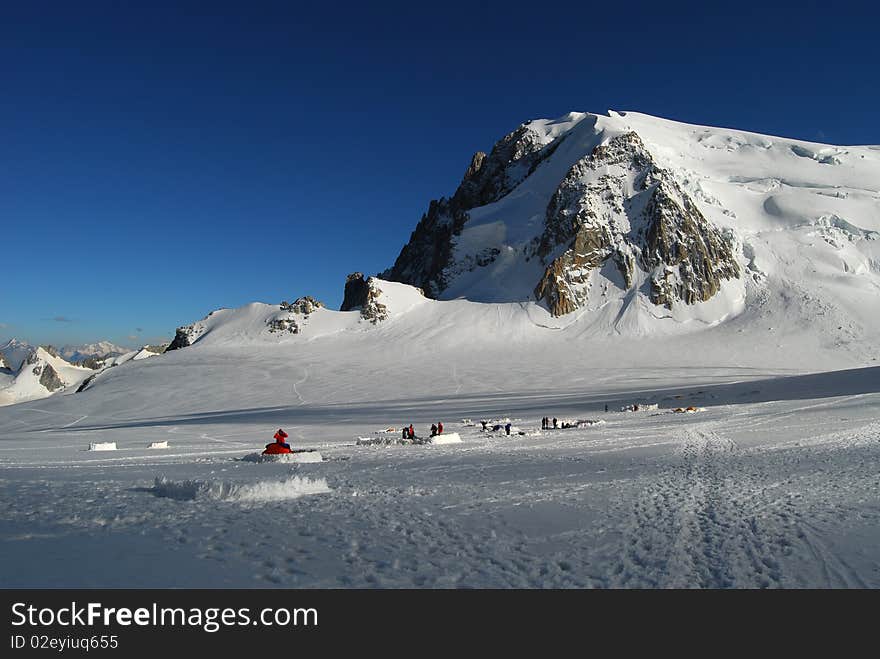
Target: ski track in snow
(717, 520)
(695, 525)
(300, 382)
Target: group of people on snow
(546, 424)
(496, 427)
(410, 433)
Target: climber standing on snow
(439, 427)
(433, 429)
(412, 432)
(280, 436)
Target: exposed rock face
(374, 311)
(277, 325)
(364, 295)
(488, 178)
(303, 305)
(182, 338)
(356, 292)
(92, 362)
(49, 377)
(188, 334)
(52, 350)
(617, 204)
(85, 383)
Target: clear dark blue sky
(162, 161)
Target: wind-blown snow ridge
(292, 487)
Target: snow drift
(260, 491)
(303, 457)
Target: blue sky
(162, 161)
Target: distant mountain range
(100, 349)
(30, 372)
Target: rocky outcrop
(49, 377)
(688, 257)
(182, 338)
(488, 178)
(85, 383)
(93, 363)
(356, 292)
(303, 305)
(188, 334)
(374, 311)
(617, 204)
(363, 295)
(280, 325)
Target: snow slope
(773, 485)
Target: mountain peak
(635, 214)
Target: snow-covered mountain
(13, 353)
(99, 350)
(641, 218)
(41, 373)
(32, 372)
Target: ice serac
(617, 205)
(488, 178)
